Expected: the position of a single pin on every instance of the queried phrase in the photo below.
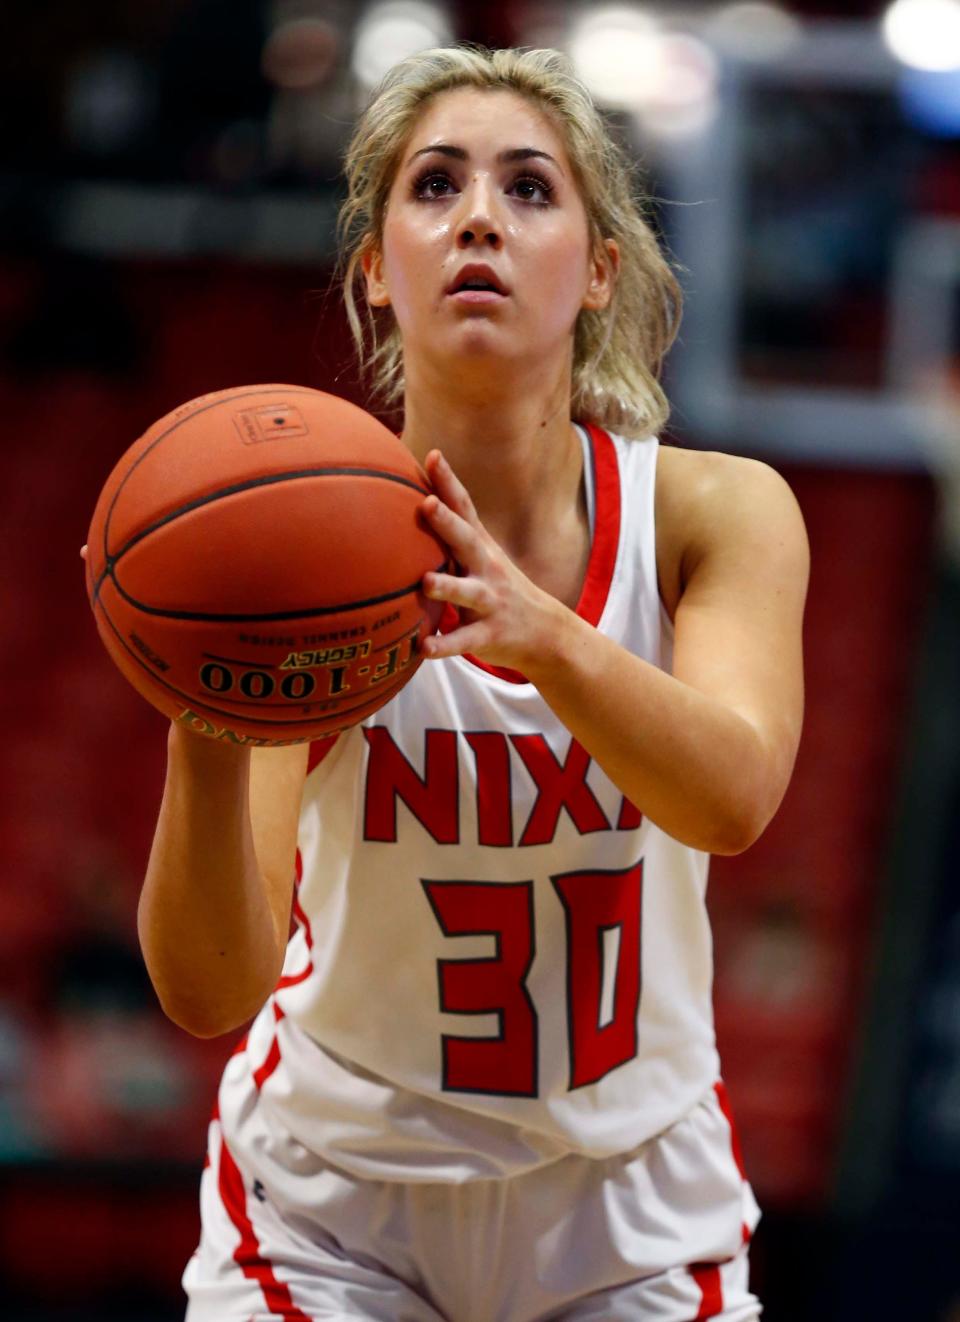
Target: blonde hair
(618, 351)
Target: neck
(511, 444)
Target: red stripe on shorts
(707, 1274)
(247, 1254)
(707, 1277)
(722, 1097)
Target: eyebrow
(504, 157)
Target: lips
(477, 277)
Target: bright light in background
(753, 31)
(924, 34)
(616, 52)
(628, 61)
(683, 98)
(391, 31)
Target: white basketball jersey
(497, 961)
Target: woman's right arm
(214, 912)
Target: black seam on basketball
(269, 617)
(270, 480)
(107, 573)
(214, 403)
(191, 699)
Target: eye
(532, 188)
(433, 183)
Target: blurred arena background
(168, 187)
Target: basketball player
(481, 1083)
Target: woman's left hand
(505, 619)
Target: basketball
(254, 564)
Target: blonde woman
(481, 1083)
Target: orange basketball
(254, 564)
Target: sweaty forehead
(485, 122)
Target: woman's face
(486, 247)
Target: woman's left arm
(705, 752)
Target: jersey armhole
(319, 748)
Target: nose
(479, 220)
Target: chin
(478, 339)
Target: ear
(371, 263)
(604, 269)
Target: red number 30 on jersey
(602, 911)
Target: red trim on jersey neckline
(247, 1255)
(603, 551)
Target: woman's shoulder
(692, 479)
(710, 502)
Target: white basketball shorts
(656, 1235)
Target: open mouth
(477, 286)
(477, 283)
